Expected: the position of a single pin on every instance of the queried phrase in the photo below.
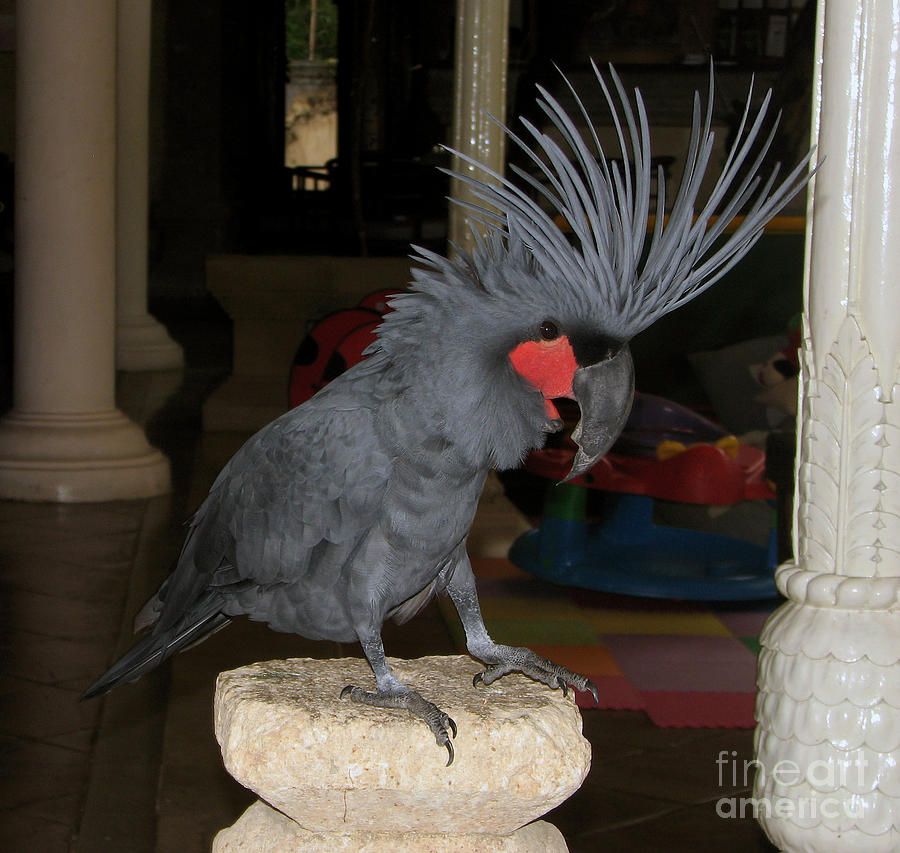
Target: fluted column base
(143, 343)
(828, 740)
(73, 458)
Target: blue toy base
(628, 554)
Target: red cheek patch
(547, 365)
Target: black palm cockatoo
(355, 506)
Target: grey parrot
(355, 506)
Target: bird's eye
(549, 330)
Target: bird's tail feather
(150, 651)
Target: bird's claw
(437, 720)
(443, 738)
(507, 659)
(450, 755)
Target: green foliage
(297, 20)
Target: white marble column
(64, 439)
(828, 740)
(481, 58)
(142, 342)
(480, 63)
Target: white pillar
(828, 740)
(64, 439)
(481, 58)
(142, 343)
(482, 46)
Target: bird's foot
(502, 660)
(440, 724)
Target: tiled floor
(139, 770)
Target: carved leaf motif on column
(843, 467)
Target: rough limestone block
(335, 766)
(262, 829)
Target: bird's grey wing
(311, 481)
(316, 475)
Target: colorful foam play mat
(683, 663)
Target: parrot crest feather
(605, 207)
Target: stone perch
(335, 775)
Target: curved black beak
(604, 392)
